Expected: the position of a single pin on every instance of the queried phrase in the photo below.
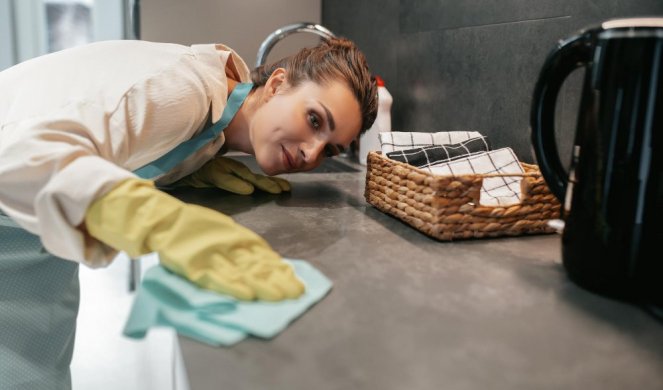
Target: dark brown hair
(332, 59)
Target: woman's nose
(311, 150)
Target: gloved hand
(231, 175)
(202, 245)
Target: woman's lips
(287, 159)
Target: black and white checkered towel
(391, 141)
(496, 191)
(430, 155)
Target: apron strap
(170, 160)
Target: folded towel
(398, 140)
(165, 299)
(496, 191)
(430, 155)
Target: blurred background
(449, 65)
(29, 28)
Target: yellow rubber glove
(231, 175)
(200, 244)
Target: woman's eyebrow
(330, 118)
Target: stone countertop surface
(409, 312)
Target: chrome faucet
(284, 31)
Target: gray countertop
(410, 312)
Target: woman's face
(296, 128)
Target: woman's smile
(288, 160)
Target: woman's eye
(314, 120)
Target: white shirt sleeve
(53, 164)
(49, 177)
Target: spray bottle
(369, 141)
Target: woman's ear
(276, 83)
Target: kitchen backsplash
(472, 65)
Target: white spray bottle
(369, 141)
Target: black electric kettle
(612, 193)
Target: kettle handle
(569, 55)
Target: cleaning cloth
(165, 299)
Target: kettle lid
(632, 22)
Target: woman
(86, 132)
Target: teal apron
(39, 292)
(38, 306)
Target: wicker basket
(447, 207)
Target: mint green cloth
(166, 299)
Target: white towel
(496, 191)
(398, 140)
(435, 154)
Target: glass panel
(7, 52)
(68, 23)
(45, 26)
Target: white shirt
(75, 123)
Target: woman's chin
(269, 169)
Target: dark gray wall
(471, 64)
